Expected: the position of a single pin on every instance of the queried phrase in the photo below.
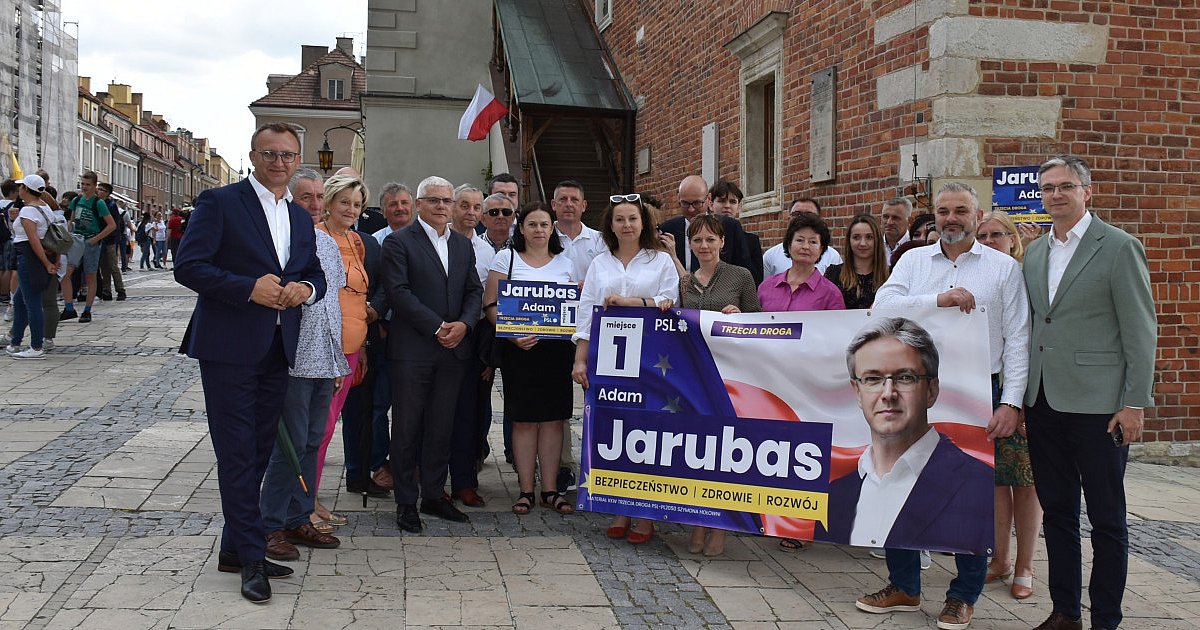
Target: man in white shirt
(894, 219)
(499, 215)
(397, 203)
(958, 271)
(776, 261)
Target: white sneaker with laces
(30, 354)
(11, 349)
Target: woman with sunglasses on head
(866, 263)
(1016, 498)
(345, 197)
(715, 286)
(537, 372)
(634, 271)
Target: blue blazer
(224, 251)
(949, 508)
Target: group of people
(308, 312)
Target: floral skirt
(1012, 461)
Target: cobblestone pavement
(110, 517)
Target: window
(604, 15)
(335, 90)
(760, 51)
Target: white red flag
(484, 111)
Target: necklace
(330, 231)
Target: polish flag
(481, 114)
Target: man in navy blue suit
(250, 255)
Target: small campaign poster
(755, 422)
(1015, 191)
(545, 309)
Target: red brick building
(727, 89)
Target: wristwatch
(1011, 405)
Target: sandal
(524, 503)
(791, 544)
(994, 575)
(1022, 586)
(555, 501)
(324, 527)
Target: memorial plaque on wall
(822, 124)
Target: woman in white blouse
(633, 272)
(537, 373)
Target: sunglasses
(631, 198)
(495, 212)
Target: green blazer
(1092, 349)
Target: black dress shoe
(372, 489)
(228, 562)
(255, 586)
(407, 518)
(443, 508)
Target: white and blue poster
(1015, 191)
(546, 309)
(750, 422)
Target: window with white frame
(336, 90)
(604, 15)
(760, 50)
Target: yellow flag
(17, 173)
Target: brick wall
(1135, 116)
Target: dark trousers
(361, 408)
(109, 275)
(424, 395)
(244, 404)
(1070, 452)
(469, 414)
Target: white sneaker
(11, 349)
(47, 344)
(8, 314)
(30, 354)
(926, 561)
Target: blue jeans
(27, 303)
(305, 409)
(904, 570)
(160, 252)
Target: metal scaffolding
(39, 68)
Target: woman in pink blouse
(802, 287)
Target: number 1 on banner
(619, 349)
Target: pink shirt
(815, 294)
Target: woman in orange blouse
(344, 200)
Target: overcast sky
(201, 64)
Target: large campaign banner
(1015, 190)
(750, 422)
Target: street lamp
(325, 154)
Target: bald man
(694, 201)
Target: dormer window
(336, 90)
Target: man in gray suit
(435, 296)
(1091, 371)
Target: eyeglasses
(495, 212)
(902, 382)
(987, 236)
(692, 204)
(445, 201)
(1050, 189)
(631, 198)
(287, 157)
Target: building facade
(796, 99)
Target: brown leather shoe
(469, 497)
(956, 615)
(309, 537)
(383, 478)
(1059, 621)
(890, 599)
(278, 547)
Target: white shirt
(994, 279)
(440, 243)
(382, 233)
(882, 498)
(583, 248)
(1061, 252)
(889, 250)
(40, 224)
(775, 261)
(483, 256)
(560, 269)
(651, 274)
(279, 220)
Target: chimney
(274, 81)
(346, 45)
(309, 54)
(86, 82)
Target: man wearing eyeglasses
(775, 259)
(960, 272)
(250, 254)
(436, 298)
(1091, 376)
(694, 201)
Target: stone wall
(968, 86)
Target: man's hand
(1004, 421)
(451, 334)
(959, 297)
(294, 294)
(1131, 421)
(267, 292)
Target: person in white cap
(35, 268)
